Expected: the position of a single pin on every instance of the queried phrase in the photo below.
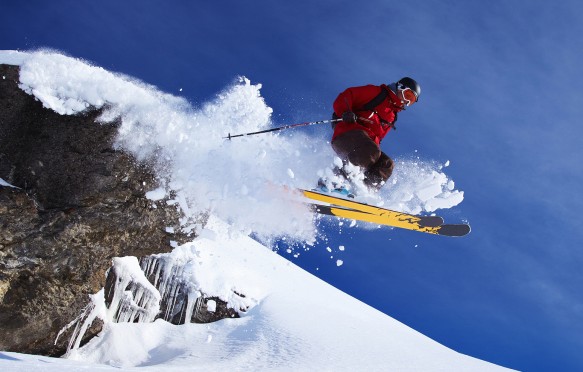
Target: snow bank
(298, 323)
(240, 180)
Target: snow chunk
(157, 194)
(418, 186)
(6, 184)
(13, 57)
(211, 306)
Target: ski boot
(334, 189)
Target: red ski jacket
(379, 119)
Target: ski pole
(283, 127)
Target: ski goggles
(408, 96)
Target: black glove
(349, 117)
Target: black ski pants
(359, 149)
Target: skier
(368, 113)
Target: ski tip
(454, 230)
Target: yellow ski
(343, 208)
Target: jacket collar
(394, 100)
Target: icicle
(134, 297)
(96, 308)
(192, 301)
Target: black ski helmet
(407, 82)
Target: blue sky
(501, 100)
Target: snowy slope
(298, 323)
(295, 321)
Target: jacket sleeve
(353, 99)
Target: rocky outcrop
(78, 203)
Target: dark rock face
(78, 204)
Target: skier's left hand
(349, 117)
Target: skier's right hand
(349, 117)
